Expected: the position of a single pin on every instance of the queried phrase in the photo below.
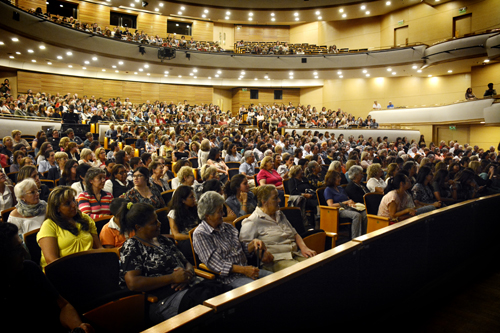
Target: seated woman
(18, 156)
(183, 217)
(422, 190)
(94, 201)
(111, 235)
(100, 158)
(375, 175)
(177, 166)
(441, 187)
(397, 205)
(55, 173)
(30, 210)
(156, 170)
(232, 154)
(312, 174)
(268, 176)
(355, 190)
(215, 160)
(268, 224)
(337, 166)
(464, 186)
(142, 190)
(66, 230)
(335, 196)
(29, 171)
(299, 185)
(284, 168)
(180, 152)
(150, 262)
(81, 171)
(116, 184)
(238, 196)
(185, 176)
(222, 251)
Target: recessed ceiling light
(191, 74)
(250, 14)
(180, 13)
(135, 73)
(216, 75)
(255, 79)
(132, 5)
(49, 63)
(315, 73)
(272, 14)
(179, 76)
(166, 75)
(113, 66)
(393, 73)
(367, 12)
(94, 58)
(140, 69)
(227, 17)
(18, 52)
(341, 10)
(30, 51)
(365, 71)
(319, 17)
(316, 77)
(84, 68)
(290, 73)
(429, 75)
(450, 71)
(87, 62)
(273, 19)
(70, 66)
(228, 13)
(11, 57)
(204, 16)
(341, 76)
(149, 74)
(166, 72)
(146, 66)
(2, 43)
(210, 78)
(388, 3)
(195, 70)
(120, 62)
(414, 67)
(296, 19)
(161, 4)
(15, 39)
(219, 72)
(367, 75)
(339, 72)
(250, 19)
(419, 71)
(183, 8)
(295, 14)
(206, 11)
(59, 57)
(157, 9)
(103, 70)
(317, 12)
(265, 77)
(389, 69)
(33, 60)
(195, 77)
(363, 7)
(486, 60)
(42, 47)
(344, 15)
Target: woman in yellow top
(66, 230)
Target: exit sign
(243, 89)
(400, 23)
(462, 10)
(453, 128)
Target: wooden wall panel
(138, 92)
(31, 4)
(203, 31)
(254, 33)
(152, 24)
(93, 13)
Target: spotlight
(145, 4)
(188, 55)
(142, 50)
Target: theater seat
(372, 202)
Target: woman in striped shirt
(94, 201)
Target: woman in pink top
(397, 204)
(268, 176)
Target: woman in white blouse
(30, 210)
(375, 176)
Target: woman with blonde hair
(86, 157)
(375, 175)
(204, 151)
(100, 158)
(63, 143)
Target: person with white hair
(218, 246)
(29, 213)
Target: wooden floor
(470, 303)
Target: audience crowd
(236, 166)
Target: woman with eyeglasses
(30, 210)
(117, 184)
(143, 191)
(30, 171)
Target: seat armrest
(204, 274)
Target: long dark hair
(57, 197)
(422, 174)
(231, 187)
(138, 214)
(213, 153)
(66, 173)
(183, 213)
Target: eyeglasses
(137, 176)
(34, 192)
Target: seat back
(49, 183)
(237, 223)
(167, 196)
(194, 162)
(372, 202)
(13, 176)
(84, 277)
(162, 214)
(33, 248)
(233, 165)
(285, 186)
(101, 221)
(232, 172)
(294, 216)
(320, 194)
(6, 212)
